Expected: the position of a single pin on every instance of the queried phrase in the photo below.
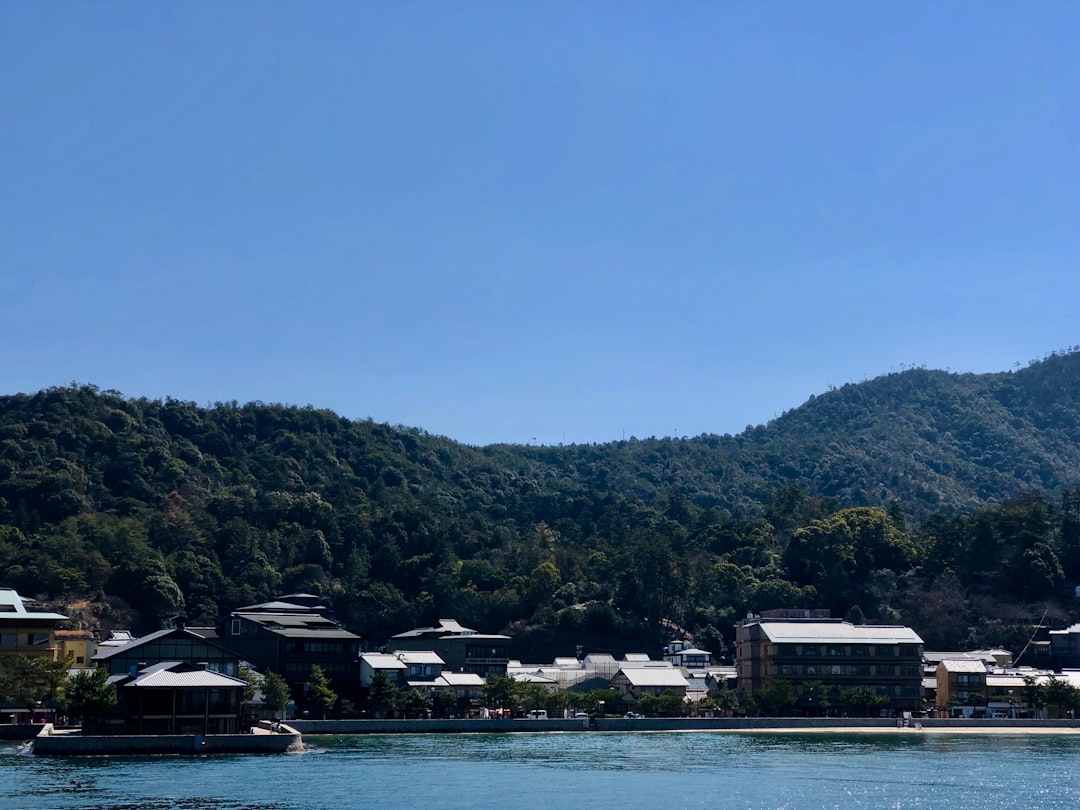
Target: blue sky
(534, 221)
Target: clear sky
(534, 221)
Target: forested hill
(931, 440)
(142, 510)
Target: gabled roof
(658, 676)
(962, 665)
(277, 606)
(419, 657)
(180, 632)
(174, 674)
(382, 661)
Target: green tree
(382, 695)
(89, 697)
(816, 697)
(862, 701)
(502, 693)
(276, 693)
(777, 696)
(415, 702)
(319, 692)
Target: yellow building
(79, 645)
(30, 633)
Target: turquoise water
(594, 771)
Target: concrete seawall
(458, 726)
(664, 724)
(48, 744)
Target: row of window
(865, 670)
(23, 639)
(844, 651)
(337, 647)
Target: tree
(816, 695)
(319, 691)
(275, 691)
(22, 681)
(89, 697)
(777, 696)
(415, 703)
(502, 693)
(862, 700)
(382, 695)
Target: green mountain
(147, 509)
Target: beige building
(30, 633)
(780, 646)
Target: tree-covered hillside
(878, 500)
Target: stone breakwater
(262, 741)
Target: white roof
(419, 657)
(162, 675)
(962, 665)
(532, 677)
(382, 661)
(689, 651)
(650, 676)
(13, 608)
(462, 679)
(636, 657)
(567, 663)
(826, 632)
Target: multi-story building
(26, 632)
(463, 649)
(291, 635)
(804, 646)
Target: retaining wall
(47, 744)
(458, 726)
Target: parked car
(634, 716)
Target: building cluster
(187, 679)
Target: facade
(635, 682)
(79, 645)
(289, 638)
(173, 697)
(373, 663)
(463, 649)
(683, 654)
(171, 645)
(26, 632)
(885, 658)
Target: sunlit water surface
(594, 771)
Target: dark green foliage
(872, 500)
(89, 697)
(275, 691)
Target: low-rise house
(421, 665)
(683, 654)
(461, 648)
(635, 682)
(77, 645)
(174, 697)
(959, 682)
(389, 664)
(174, 644)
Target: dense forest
(945, 501)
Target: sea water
(589, 770)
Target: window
(236, 627)
(968, 680)
(884, 652)
(884, 670)
(837, 669)
(786, 649)
(860, 669)
(859, 650)
(908, 671)
(836, 651)
(810, 669)
(9, 639)
(788, 669)
(908, 651)
(809, 649)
